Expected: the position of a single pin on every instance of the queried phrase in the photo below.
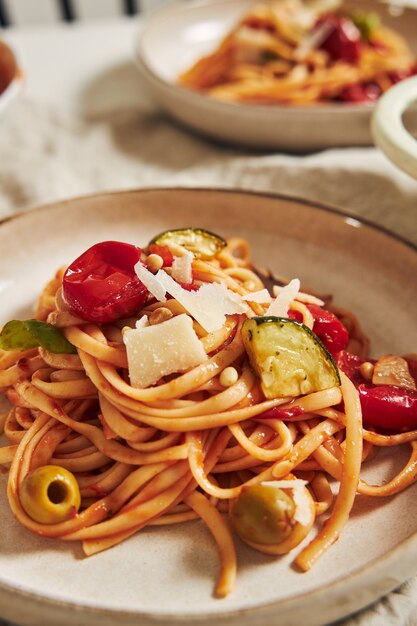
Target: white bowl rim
(388, 129)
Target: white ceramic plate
(177, 35)
(165, 576)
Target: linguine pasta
(295, 53)
(186, 447)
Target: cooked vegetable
(202, 243)
(289, 359)
(164, 252)
(328, 328)
(342, 42)
(26, 334)
(263, 514)
(50, 494)
(101, 285)
(367, 23)
(387, 406)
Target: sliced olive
(263, 514)
(289, 359)
(50, 494)
(202, 243)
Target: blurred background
(26, 12)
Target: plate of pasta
(277, 74)
(206, 416)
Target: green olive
(50, 494)
(263, 514)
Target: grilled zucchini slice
(289, 359)
(202, 243)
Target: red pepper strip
(328, 328)
(281, 414)
(349, 364)
(164, 252)
(189, 286)
(388, 406)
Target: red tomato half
(101, 285)
(342, 42)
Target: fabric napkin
(46, 155)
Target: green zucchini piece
(288, 357)
(202, 243)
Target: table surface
(87, 71)
(62, 62)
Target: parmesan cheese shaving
(142, 322)
(262, 296)
(307, 298)
(302, 513)
(209, 305)
(279, 307)
(167, 348)
(182, 268)
(151, 282)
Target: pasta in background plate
(295, 53)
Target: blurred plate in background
(176, 36)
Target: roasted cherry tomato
(361, 92)
(343, 41)
(387, 406)
(101, 285)
(327, 327)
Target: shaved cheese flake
(281, 304)
(209, 305)
(142, 322)
(262, 296)
(150, 281)
(307, 298)
(302, 513)
(182, 268)
(167, 348)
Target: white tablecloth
(90, 127)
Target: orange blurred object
(8, 66)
